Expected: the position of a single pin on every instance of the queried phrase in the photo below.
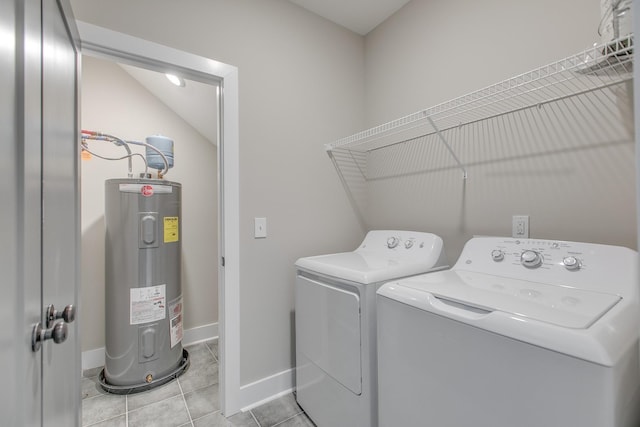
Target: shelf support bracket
(446, 144)
(347, 188)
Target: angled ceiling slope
(359, 16)
(195, 103)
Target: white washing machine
(526, 333)
(336, 322)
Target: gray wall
(574, 178)
(113, 102)
(301, 85)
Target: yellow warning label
(171, 229)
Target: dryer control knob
(392, 242)
(497, 255)
(571, 263)
(408, 244)
(531, 259)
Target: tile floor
(189, 401)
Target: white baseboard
(266, 389)
(200, 334)
(95, 358)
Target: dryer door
(328, 322)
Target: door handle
(53, 331)
(58, 334)
(68, 314)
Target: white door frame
(636, 97)
(101, 42)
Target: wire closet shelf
(599, 67)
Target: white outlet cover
(520, 226)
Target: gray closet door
(60, 211)
(20, 212)
(39, 210)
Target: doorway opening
(133, 103)
(102, 44)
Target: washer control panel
(538, 253)
(577, 264)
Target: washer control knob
(392, 242)
(408, 244)
(571, 263)
(497, 255)
(531, 259)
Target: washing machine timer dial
(531, 259)
(497, 255)
(392, 242)
(408, 244)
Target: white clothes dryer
(527, 333)
(335, 318)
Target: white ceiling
(360, 16)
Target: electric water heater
(143, 292)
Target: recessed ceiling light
(178, 81)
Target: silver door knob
(68, 314)
(58, 334)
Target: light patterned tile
(120, 421)
(200, 355)
(202, 401)
(90, 387)
(165, 406)
(165, 391)
(242, 419)
(213, 346)
(102, 407)
(276, 411)
(198, 376)
(166, 413)
(300, 420)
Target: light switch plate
(260, 228)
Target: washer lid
(559, 305)
(366, 267)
